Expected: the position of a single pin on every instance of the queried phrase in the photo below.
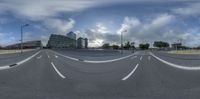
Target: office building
(82, 42)
(61, 41)
(71, 35)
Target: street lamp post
(121, 44)
(122, 41)
(22, 26)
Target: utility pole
(22, 26)
(121, 44)
(122, 40)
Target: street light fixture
(22, 26)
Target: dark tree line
(144, 46)
(125, 46)
(161, 44)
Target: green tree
(161, 44)
(144, 46)
(106, 46)
(115, 46)
(127, 45)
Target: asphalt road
(49, 75)
(9, 59)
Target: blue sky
(102, 21)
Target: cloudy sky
(102, 21)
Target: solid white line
(47, 55)
(175, 65)
(23, 61)
(141, 58)
(125, 78)
(4, 67)
(88, 61)
(61, 75)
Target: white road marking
(48, 55)
(125, 78)
(61, 75)
(88, 61)
(21, 62)
(149, 58)
(66, 56)
(39, 57)
(175, 65)
(141, 58)
(4, 67)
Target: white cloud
(100, 28)
(138, 31)
(159, 28)
(189, 9)
(46, 12)
(48, 27)
(96, 43)
(190, 38)
(129, 24)
(51, 26)
(41, 9)
(99, 35)
(44, 38)
(59, 26)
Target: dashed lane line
(48, 55)
(39, 57)
(141, 58)
(126, 77)
(57, 71)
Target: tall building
(82, 42)
(86, 43)
(61, 41)
(71, 35)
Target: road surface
(50, 74)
